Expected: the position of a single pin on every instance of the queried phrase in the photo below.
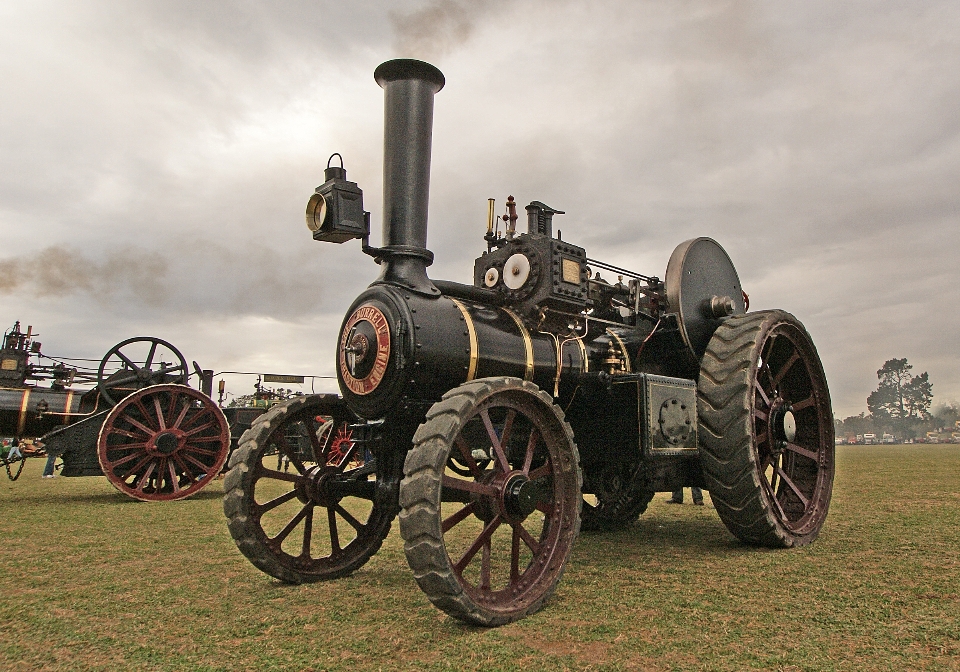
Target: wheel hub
(165, 443)
(788, 426)
(315, 486)
(783, 423)
(520, 497)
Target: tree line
(901, 407)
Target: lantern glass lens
(316, 212)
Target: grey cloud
(201, 278)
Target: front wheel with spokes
(489, 546)
(324, 517)
(766, 429)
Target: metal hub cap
(789, 426)
(315, 486)
(783, 424)
(520, 497)
(166, 443)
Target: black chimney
(409, 87)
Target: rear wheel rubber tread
(726, 432)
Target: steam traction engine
(153, 437)
(501, 417)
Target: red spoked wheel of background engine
(340, 445)
(163, 442)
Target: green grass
(92, 580)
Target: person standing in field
(696, 493)
(48, 468)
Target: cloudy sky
(156, 158)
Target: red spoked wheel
(338, 441)
(163, 442)
(489, 547)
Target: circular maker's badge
(364, 350)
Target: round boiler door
(364, 351)
(516, 271)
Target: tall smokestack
(409, 87)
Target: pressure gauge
(491, 277)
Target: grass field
(92, 580)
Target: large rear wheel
(489, 546)
(766, 429)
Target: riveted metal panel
(670, 406)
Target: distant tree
(855, 424)
(887, 400)
(900, 396)
(918, 395)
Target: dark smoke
(203, 278)
(57, 271)
(437, 28)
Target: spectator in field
(677, 497)
(14, 453)
(49, 466)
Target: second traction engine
(500, 418)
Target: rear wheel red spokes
(322, 519)
(791, 405)
(163, 442)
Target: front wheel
(766, 429)
(163, 442)
(326, 514)
(489, 546)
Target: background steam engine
(499, 418)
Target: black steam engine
(499, 418)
